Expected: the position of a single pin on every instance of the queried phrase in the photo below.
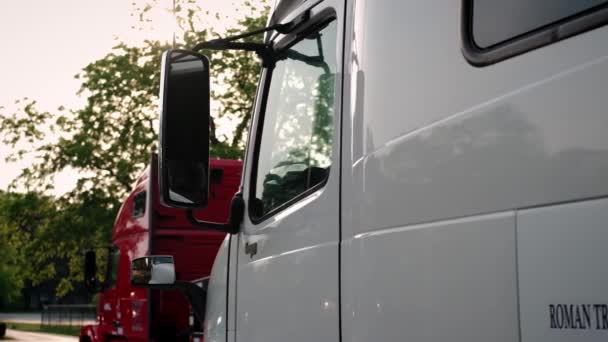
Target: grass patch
(33, 327)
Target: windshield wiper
(228, 43)
(263, 50)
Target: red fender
(90, 333)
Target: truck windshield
(295, 149)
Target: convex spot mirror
(153, 270)
(184, 129)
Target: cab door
(109, 301)
(288, 248)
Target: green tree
(21, 216)
(110, 139)
(10, 281)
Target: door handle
(251, 249)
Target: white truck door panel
(444, 281)
(288, 257)
(563, 278)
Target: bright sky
(45, 43)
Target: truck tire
(169, 334)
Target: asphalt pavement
(29, 317)
(34, 318)
(36, 337)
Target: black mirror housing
(184, 129)
(90, 270)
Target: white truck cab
(415, 171)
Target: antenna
(174, 24)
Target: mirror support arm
(195, 295)
(237, 211)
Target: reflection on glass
(141, 271)
(295, 151)
(153, 270)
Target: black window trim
(316, 24)
(581, 22)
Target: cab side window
(494, 30)
(294, 154)
(139, 205)
(495, 21)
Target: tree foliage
(10, 279)
(109, 140)
(41, 235)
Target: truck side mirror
(153, 270)
(184, 129)
(90, 270)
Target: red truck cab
(145, 227)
